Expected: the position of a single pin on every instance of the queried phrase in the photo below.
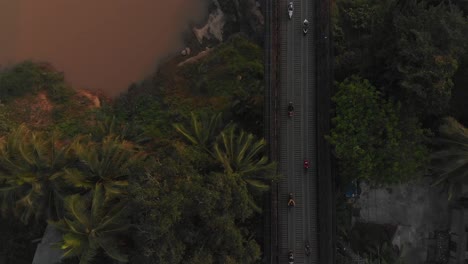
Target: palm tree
(240, 153)
(203, 130)
(450, 162)
(30, 165)
(110, 126)
(109, 162)
(93, 222)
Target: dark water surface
(99, 44)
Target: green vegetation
(93, 221)
(408, 49)
(6, 122)
(199, 214)
(408, 53)
(395, 63)
(19, 80)
(51, 179)
(372, 139)
(161, 176)
(229, 80)
(121, 183)
(30, 163)
(29, 77)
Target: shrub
(19, 80)
(372, 140)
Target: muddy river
(99, 44)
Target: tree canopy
(372, 139)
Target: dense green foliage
(408, 49)
(30, 163)
(372, 139)
(188, 204)
(406, 54)
(6, 123)
(45, 176)
(430, 43)
(194, 190)
(186, 217)
(91, 222)
(236, 69)
(200, 213)
(19, 80)
(229, 80)
(29, 77)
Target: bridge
(298, 70)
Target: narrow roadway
(297, 135)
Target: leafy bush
(229, 80)
(234, 63)
(371, 138)
(19, 80)
(429, 41)
(232, 76)
(409, 49)
(6, 124)
(28, 77)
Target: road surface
(297, 225)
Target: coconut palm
(110, 126)
(30, 164)
(203, 130)
(93, 222)
(450, 162)
(109, 162)
(240, 153)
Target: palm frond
(259, 185)
(452, 159)
(203, 130)
(76, 206)
(111, 248)
(74, 177)
(89, 252)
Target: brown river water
(100, 44)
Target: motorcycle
(290, 9)
(307, 248)
(290, 257)
(290, 109)
(305, 27)
(291, 202)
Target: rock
(213, 27)
(45, 252)
(186, 51)
(196, 57)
